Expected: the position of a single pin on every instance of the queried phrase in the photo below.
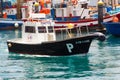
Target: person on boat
(84, 3)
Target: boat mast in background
(1, 8)
(18, 9)
(113, 3)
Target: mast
(1, 8)
(18, 9)
(114, 3)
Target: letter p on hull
(69, 47)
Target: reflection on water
(54, 67)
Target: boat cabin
(37, 31)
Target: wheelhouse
(38, 31)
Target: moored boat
(8, 24)
(63, 12)
(8, 20)
(112, 28)
(39, 38)
(79, 14)
(68, 12)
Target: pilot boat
(39, 38)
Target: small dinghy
(39, 38)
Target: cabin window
(42, 29)
(30, 29)
(50, 29)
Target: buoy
(74, 2)
(16, 25)
(9, 45)
(115, 19)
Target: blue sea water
(101, 63)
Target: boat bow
(99, 36)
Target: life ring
(75, 2)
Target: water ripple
(101, 63)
